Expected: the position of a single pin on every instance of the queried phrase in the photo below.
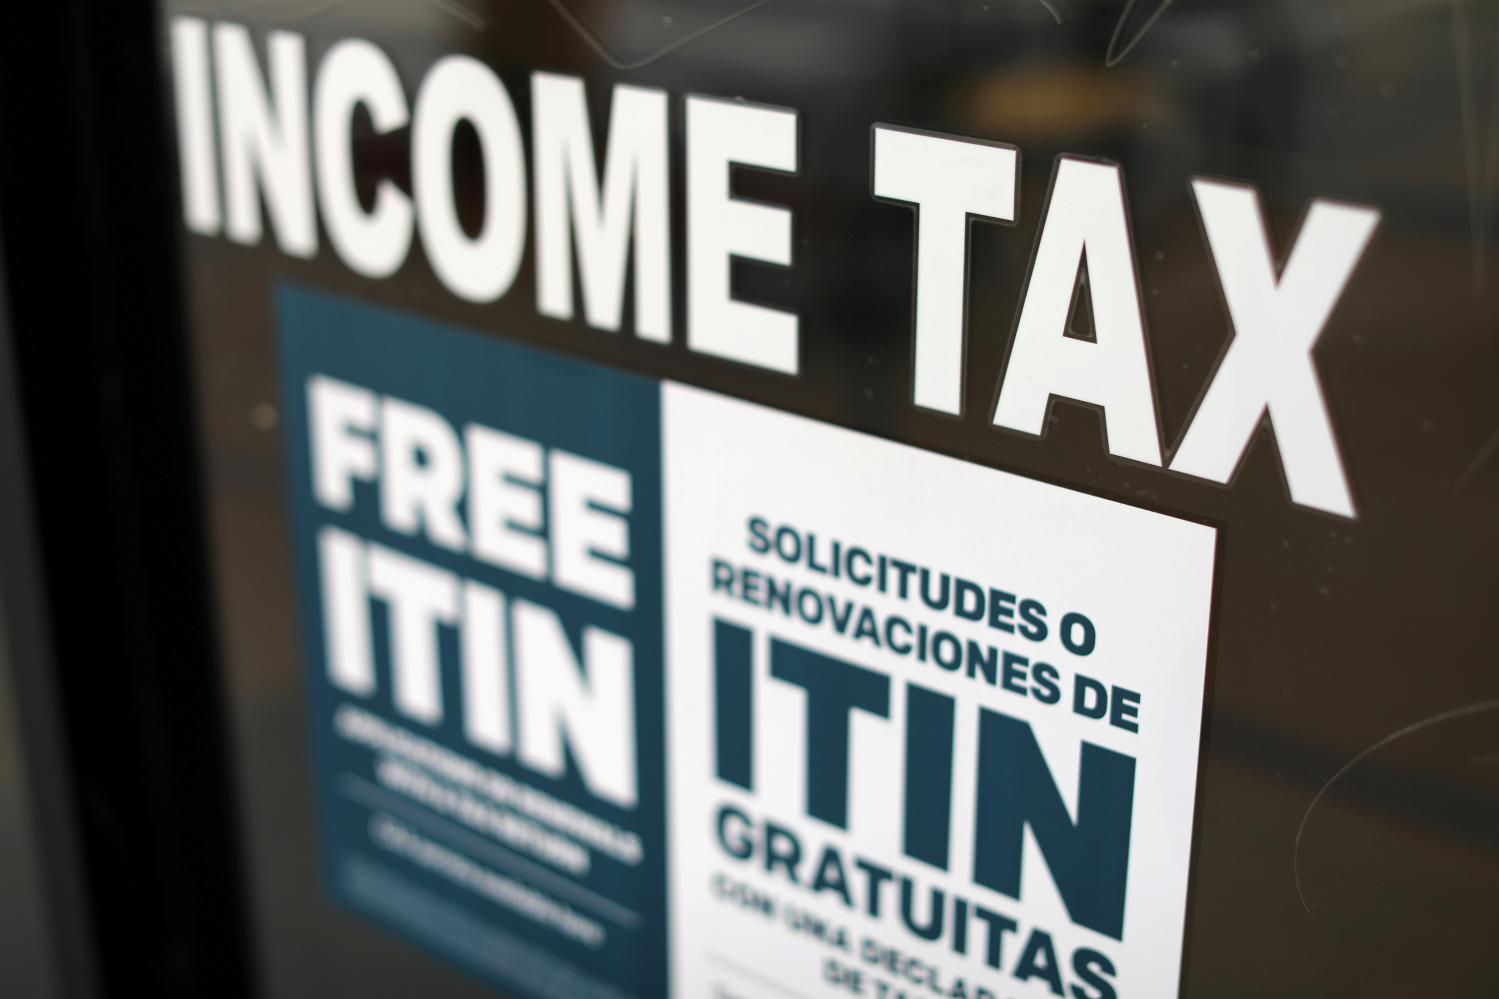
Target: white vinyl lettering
(195, 149)
(573, 206)
(721, 134)
(1268, 369)
(481, 268)
(1085, 221)
(356, 74)
(264, 138)
(950, 181)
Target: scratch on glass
(1116, 54)
(1482, 707)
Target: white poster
(932, 728)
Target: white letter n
(589, 706)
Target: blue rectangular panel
(478, 543)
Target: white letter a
(1084, 221)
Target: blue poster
(479, 560)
